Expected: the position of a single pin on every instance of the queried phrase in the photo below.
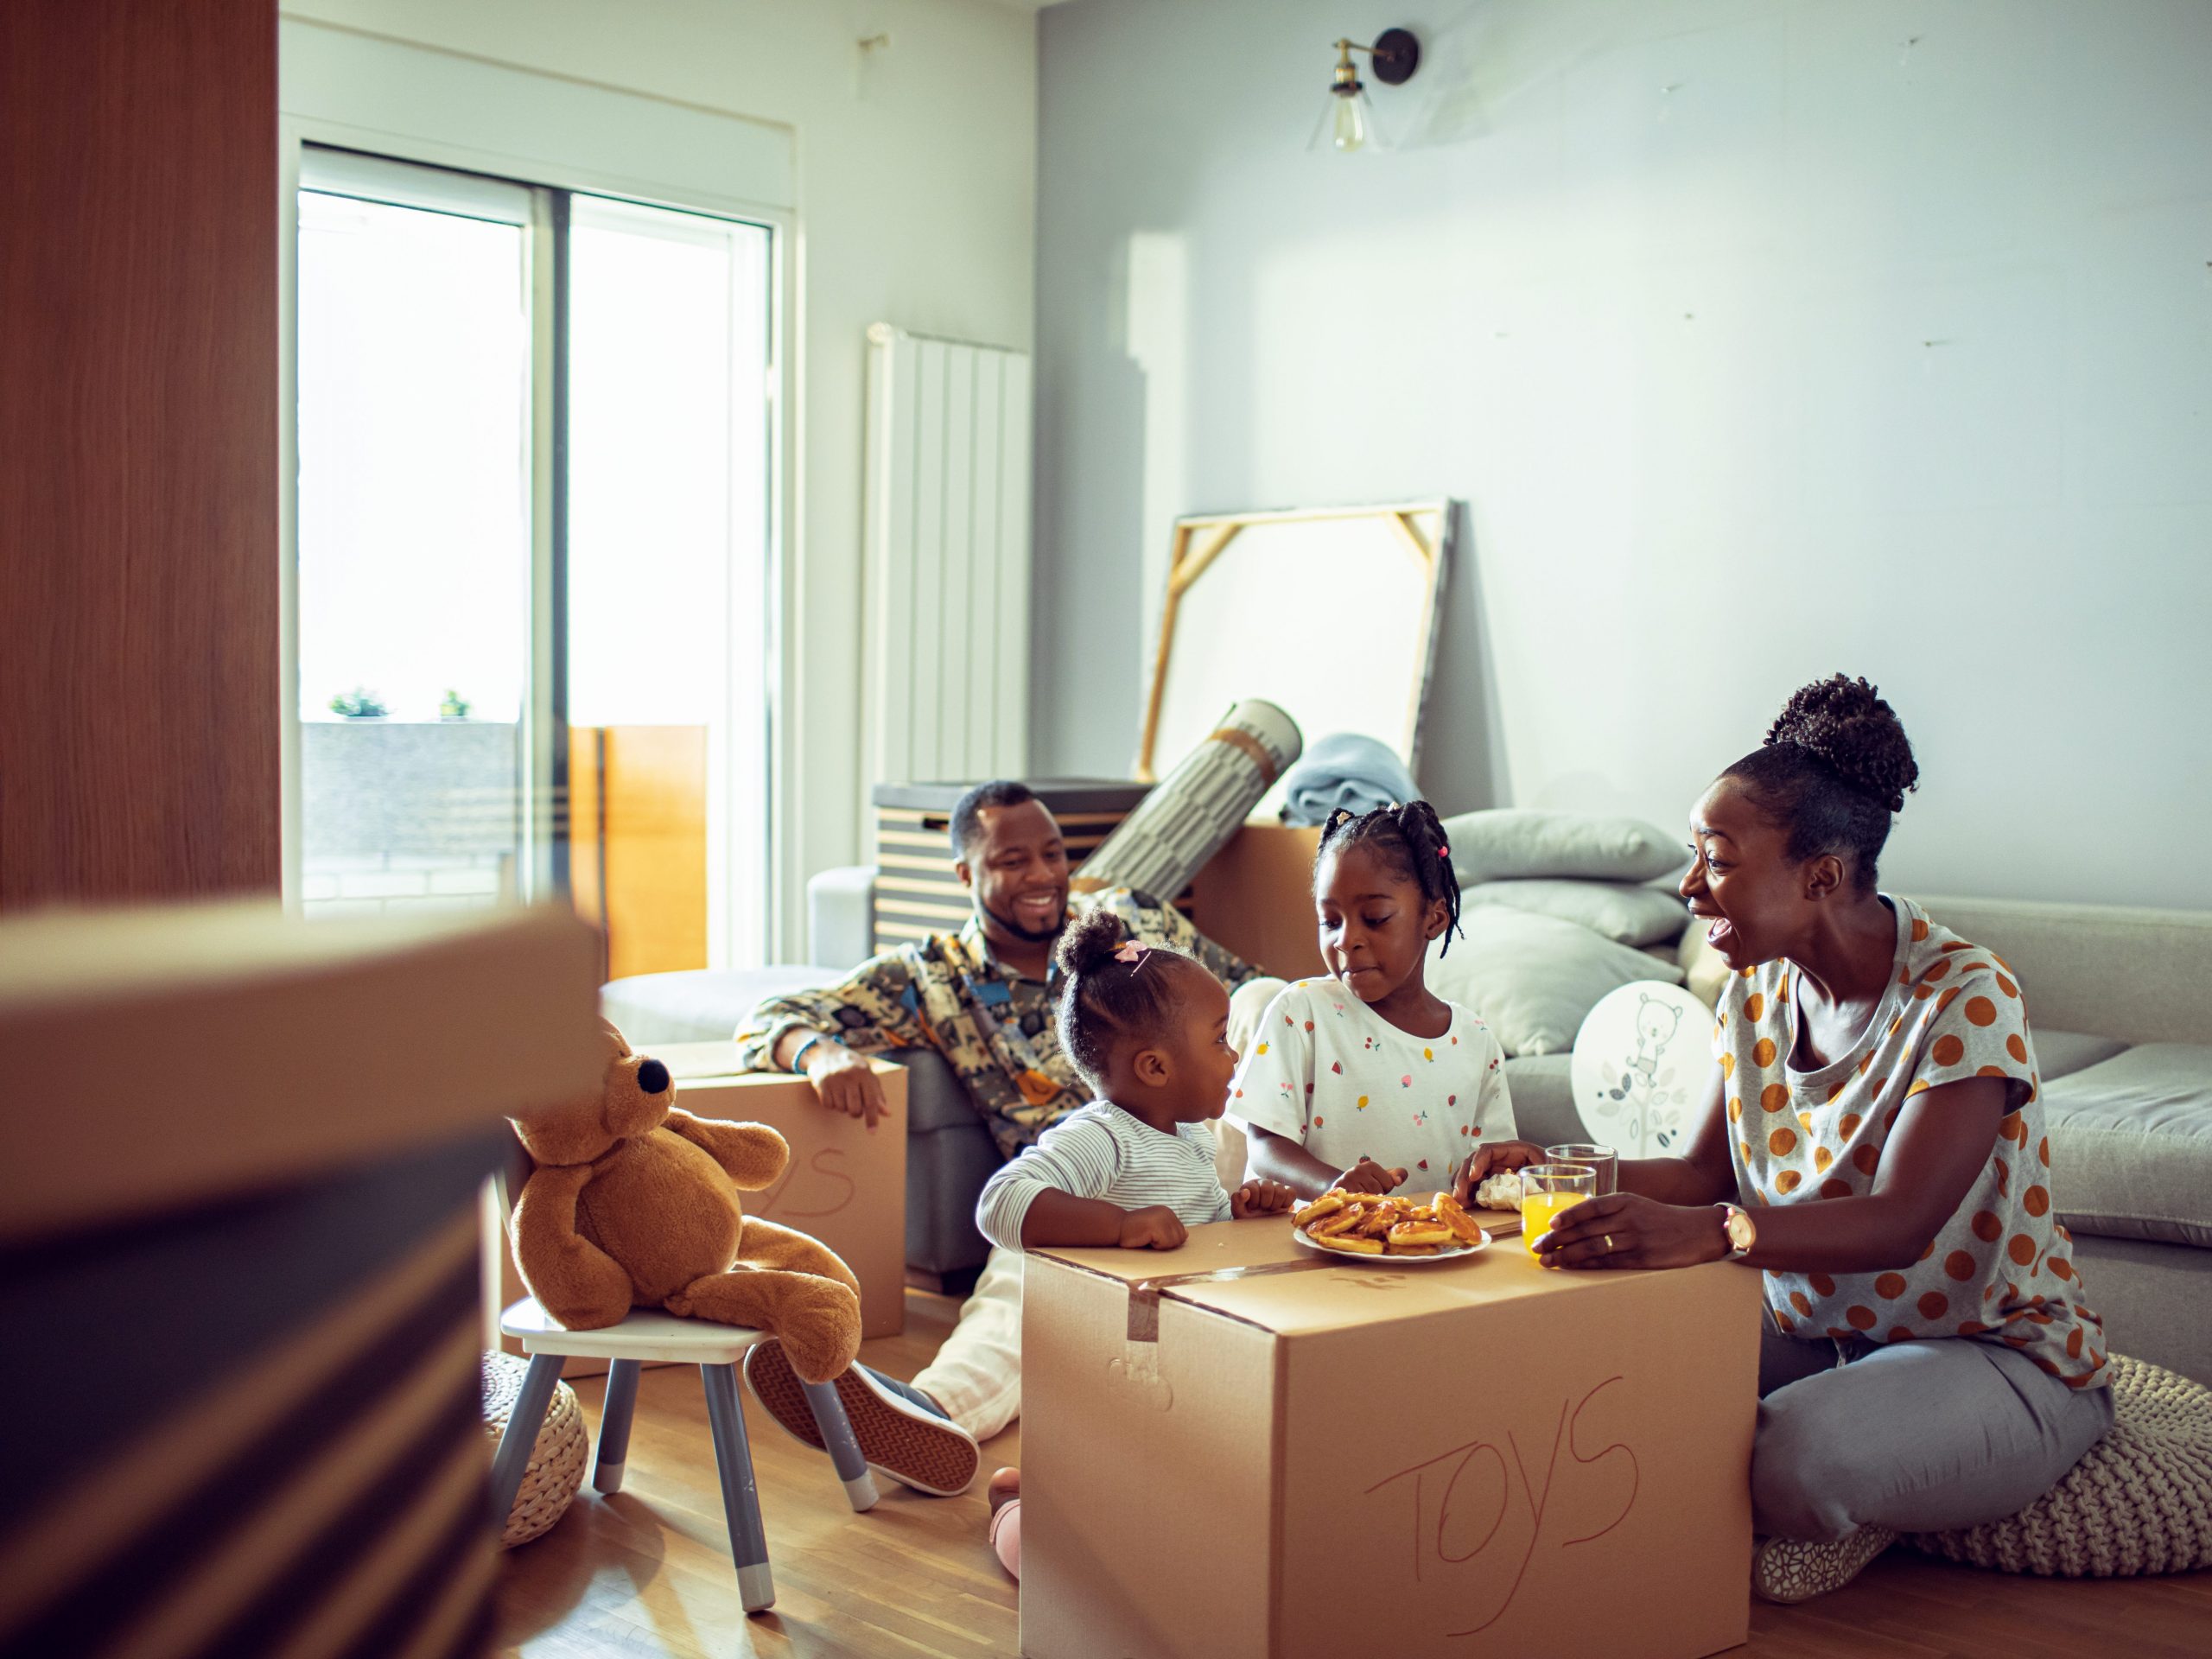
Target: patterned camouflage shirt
(995, 1026)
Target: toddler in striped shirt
(1149, 1028)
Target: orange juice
(1540, 1210)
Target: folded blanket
(1347, 770)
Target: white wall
(1842, 353)
(916, 206)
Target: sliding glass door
(536, 435)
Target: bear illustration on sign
(1631, 1075)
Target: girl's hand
(1498, 1157)
(1624, 1230)
(1260, 1198)
(1156, 1227)
(1368, 1176)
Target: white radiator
(947, 636)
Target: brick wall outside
(407, 814)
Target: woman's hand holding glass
(1624, 1230)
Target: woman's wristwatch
(1737, 1223)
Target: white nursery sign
(1639, 1060)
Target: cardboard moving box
(846, 1183)
(1302, 1456)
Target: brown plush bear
(632, 1203)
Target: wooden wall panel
(139, 690)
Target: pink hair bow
(1131, 954)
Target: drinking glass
(1546, 1190)
(1603, 1160)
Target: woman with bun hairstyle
(1872, 1139)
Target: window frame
(436, 176)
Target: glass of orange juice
(1546, 1190)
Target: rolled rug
(1194, 810)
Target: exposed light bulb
(1348, 124)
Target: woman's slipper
(898, 1435)
(1791, 1570)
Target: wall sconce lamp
(1348, 120)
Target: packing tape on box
(1144, 1293)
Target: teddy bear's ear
(574, 1134)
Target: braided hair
(1834, 767)
(1408, 838)
(1104, 1000)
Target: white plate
(1458, 1253)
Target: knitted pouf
(2139, 1500)
(557, 1462)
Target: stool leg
(614, 1449)
(748, 1544)
(511, 1461)
(844, 1451)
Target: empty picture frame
(1330, 613)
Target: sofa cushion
(700, 1004)
(1624, 911)
(1543, 1088)
(1503, 844)
(2131, 1144)
(1533, 977)
(2062, 1053)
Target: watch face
(1739, 1230)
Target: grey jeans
(1918, 1436)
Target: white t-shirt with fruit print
(2001, 1268)
(1327, 1071)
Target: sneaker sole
(1786, 1572)
(930, 1455)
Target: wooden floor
(648, 1572)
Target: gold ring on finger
(1609, 1243)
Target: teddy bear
(633, 1202)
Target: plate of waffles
(1402, 1230)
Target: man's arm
(876, 1008)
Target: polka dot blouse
(2001, 1268)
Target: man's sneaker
(1791, 1570)
(899, 1436)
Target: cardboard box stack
(1289, 1455)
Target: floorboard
(647, 1573)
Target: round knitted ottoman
(557, 1462)
(2140, 1501)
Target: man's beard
(1028, 935)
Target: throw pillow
(1532, 978)
(1620, 909)
(1508, 844)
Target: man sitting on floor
(985, 999)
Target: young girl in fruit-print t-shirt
(1367, 1079)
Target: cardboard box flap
(1254, 1271)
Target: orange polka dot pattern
(2000, 1269)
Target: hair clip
(1132, 954)
(1444, 852)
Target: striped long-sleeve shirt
(1102, 1151)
